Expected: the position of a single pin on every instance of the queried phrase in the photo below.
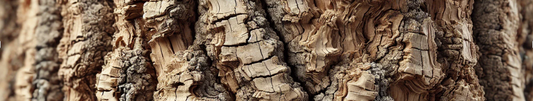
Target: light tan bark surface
(266, 50)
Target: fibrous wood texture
(266, 50)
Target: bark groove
(266, 50)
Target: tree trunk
(269, 50)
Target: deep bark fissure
(225, 50)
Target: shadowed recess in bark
(266, 50)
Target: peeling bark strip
(495, 29)
(269, 50)
(85, 42)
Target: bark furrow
(266, 50)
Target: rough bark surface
(266, 50)
(83, 45)
(46, 84)
(496, 30)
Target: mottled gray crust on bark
(137, 79)
(267, 50)
(208, 87)
(47, 83)
(382, 81)
(85, 42)
(495, 30)
(458, 54)
(128, 74)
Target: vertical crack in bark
(456, 50)
(127, 74)
(335, 50)
(268, 9)
(246, 51)
(328, 43)
(403, 47)
(182, 68)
